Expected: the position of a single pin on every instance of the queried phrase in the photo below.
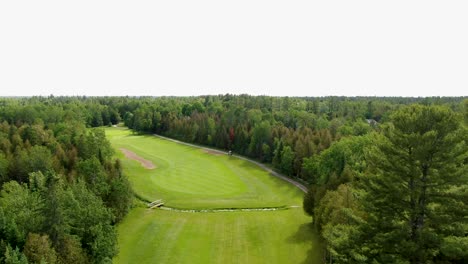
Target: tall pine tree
(415, 193)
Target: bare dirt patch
(132, 155)
(214, 152)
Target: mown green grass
(188, 177)
(157, 236)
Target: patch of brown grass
(132, 155)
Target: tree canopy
(406, 201)
(62, 193)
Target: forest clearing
(190, 178)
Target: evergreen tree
(416, 189)
(14, 256)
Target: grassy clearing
(188, 177)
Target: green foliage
(266, 153)
(94, 144)
(308, 202)
(341, 163)
(90, 220)
(339, 216)
(70, 251)
(410, 201)
(45, 148)
(454, 247)
(3, 168)
(261, 134)
(465, 115)
(415, 191)
(38, 158)
(287, 158)
(38, 249)
(94, 175)
(277, 153)
(23, 207)
(310, 169)
(8, 230)
(56, 222)
(128, 119)
(14, 256)
(336, 207)
(120, 197)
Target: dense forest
(62, 193)
(387, 176)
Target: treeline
(225, 121)
(91, 112)
(61, 192)
(279, 130)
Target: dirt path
(132, 155)
(263, 166)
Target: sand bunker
(132, 155)
(214, 152)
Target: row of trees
(283, 137)
(267, 128)
(61, 191)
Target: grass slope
(188, 177)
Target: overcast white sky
(311, 48)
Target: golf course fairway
(219, 208)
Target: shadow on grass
(306, 233)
